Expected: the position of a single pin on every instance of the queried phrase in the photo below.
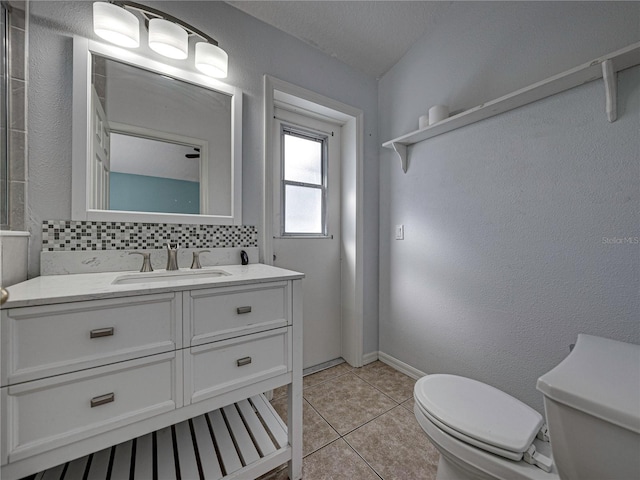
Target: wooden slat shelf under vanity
(605, 67)
(219, 444)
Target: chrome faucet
(146, 261)
(195, 265)
(172, 256)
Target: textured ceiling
(368, 35)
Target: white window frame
(292, 130)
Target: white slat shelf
(603, 67)
(242, 440)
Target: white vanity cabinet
(247, 339)
(82, 376)
(49, 340)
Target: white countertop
(50, 289)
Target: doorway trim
(352, 121)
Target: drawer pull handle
(243, 361)
(101, 332)
(242, 310)
(102, 399)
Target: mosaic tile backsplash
(69, 235)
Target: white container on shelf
(437, 113)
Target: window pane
(302, 160)
(303, 210)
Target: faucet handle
(196, 259)
(146, 261)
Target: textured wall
(143, 193)
(507, 253)
(254, 49)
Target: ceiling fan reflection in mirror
(194, 155)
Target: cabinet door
(215, 314)
(219, 367)
(49, 413)
(56, 339)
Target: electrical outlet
(399, 232)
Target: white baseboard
(369, 357)
(400, 366)
(322, 366)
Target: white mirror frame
(83, 48)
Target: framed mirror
(151, 142)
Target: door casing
(279, 92)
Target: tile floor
(358, 424)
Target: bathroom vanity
(122, 371)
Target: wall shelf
(605, 67)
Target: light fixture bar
(126, 4)
(117, 21)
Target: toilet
(592, 429)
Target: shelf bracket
(401, 150)
(610, 88)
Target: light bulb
(116, 25)
(211, 60)
(168, 39)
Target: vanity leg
(294, 420)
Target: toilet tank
(592, 405)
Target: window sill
(301, 237)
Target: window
(304, 182)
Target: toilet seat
(484, 464)
(478, 414)
(471, 441)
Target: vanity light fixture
(168, 39)
(168, 35)
(116, 25)
(211, 60)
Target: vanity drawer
(220, 313)
(45, 414)
(219, 367)
(51, 340)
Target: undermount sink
(168, 276)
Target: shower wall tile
(15, 178)
(18, 13)
(17, 192)
(17, 39)
(18, 107)
(17, 156)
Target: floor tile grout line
(356, 452)
(329, 379)
(322, 446)
(365, 380)
(364, 459)
(355, 428)
(350, 369)
(386, 395)
(343, 436)
(368, 421)
(355, 372)
(322, 417)
(320, 383)
(359, 426)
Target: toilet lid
(478, 411)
